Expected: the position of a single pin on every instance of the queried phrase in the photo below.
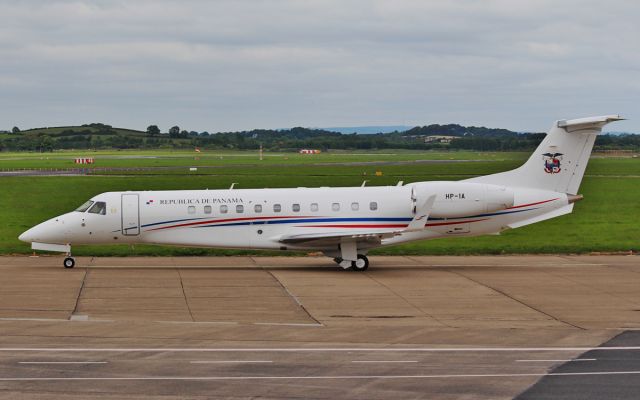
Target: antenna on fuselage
(400, 183)
(232, 185)
(363, 183)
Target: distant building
(439, 139)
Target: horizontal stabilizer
(589, 122)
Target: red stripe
(215, 221)
(356, 226)
(532, 204)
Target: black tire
(337, 260)
(69, 262)
(362, 267)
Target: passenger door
(130, 215)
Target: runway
(272, 327)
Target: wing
(372, 235)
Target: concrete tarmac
(276, 327)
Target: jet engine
(462, 199)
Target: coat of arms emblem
(552, 162)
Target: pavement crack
(84, 278)
(298, 302)
(186, 300)
(515, 299)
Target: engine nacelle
(462, 199)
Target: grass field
(607, 220)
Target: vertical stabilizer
(559, 162)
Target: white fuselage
(260, 218)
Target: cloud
(240, 64)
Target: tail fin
(559, 162)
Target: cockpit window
(85, 206)
(99, 208)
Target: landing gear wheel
(69, 262)
(361, 264)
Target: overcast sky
(242, 64)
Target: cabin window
(257, 208)
(239, 208)
(85, 206)
(191, 209)
(296, 207)
(207, 209)
(224, 209)
(314, 206)
(373, 206)
(355, 206)
(277, 208)
(99, 208)
(335, 206)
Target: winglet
(422, 215)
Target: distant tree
(205, 133)
(184, 133)
(174, 131)
(15, 129)
(46, 144)
(153, 130)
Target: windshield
(99, 208)
(85, 206)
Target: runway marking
(568, 360)
(231, 362)
(247, 378)
(384, 361)
(316, 349)
(63, 362)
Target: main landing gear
(69, 262)
(361, 264)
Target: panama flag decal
(149, 202)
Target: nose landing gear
(69, 262)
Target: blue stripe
(305, 220)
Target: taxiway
(273, 327)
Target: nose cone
(51, 231)
(30, 234)
(26, 236)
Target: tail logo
(552, 162)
